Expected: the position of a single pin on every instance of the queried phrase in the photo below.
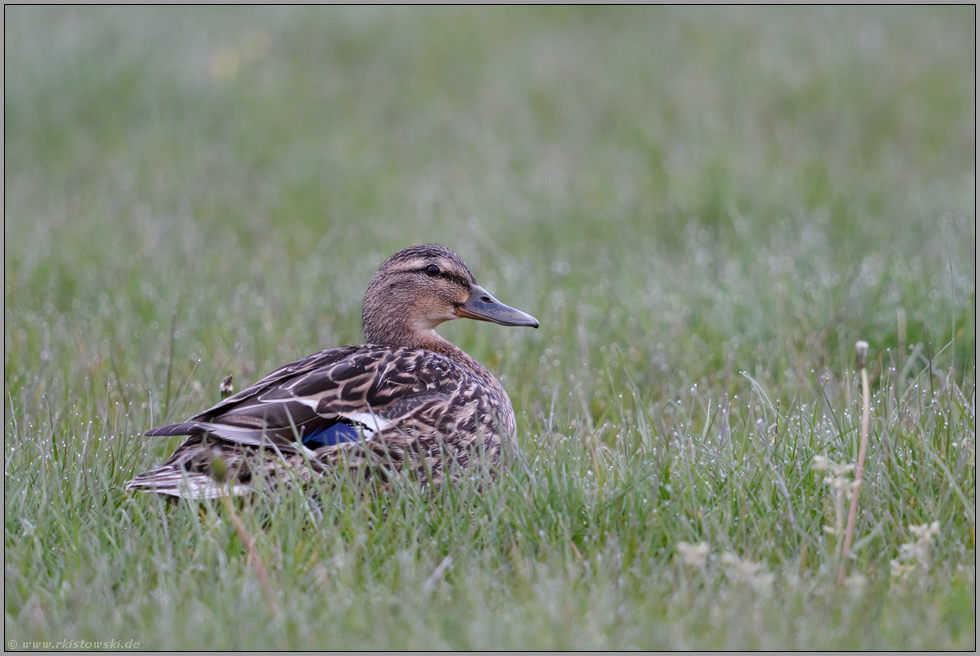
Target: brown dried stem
(862, 361)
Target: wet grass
(704, 208)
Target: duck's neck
(430, 340)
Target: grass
(706, 209)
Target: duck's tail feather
(176, 482)
(186, 428)
(284, 440)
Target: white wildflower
(694, 555)
(822, 463)
(745, 571)
(918, 549)
(839, 479)
(914, 554)
(925, 532)
(899, 570)
(842, 487)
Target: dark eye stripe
(459, 280)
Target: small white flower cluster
(915, 554)
(745, 571)
(737, 570)
(694, 555)
(841, 487)
(839, 478)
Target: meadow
(705, 209)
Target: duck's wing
(333, 396)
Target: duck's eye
(432, 270)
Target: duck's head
(421, 287)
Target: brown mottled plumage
(408, 400)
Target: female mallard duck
(409, 399)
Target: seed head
(862, 353)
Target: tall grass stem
(862, 360)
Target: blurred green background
(678, 180)
(677, 194)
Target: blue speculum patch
(331, 436)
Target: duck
(407, 402)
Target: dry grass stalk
(862, 361)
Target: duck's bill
(482, 306)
